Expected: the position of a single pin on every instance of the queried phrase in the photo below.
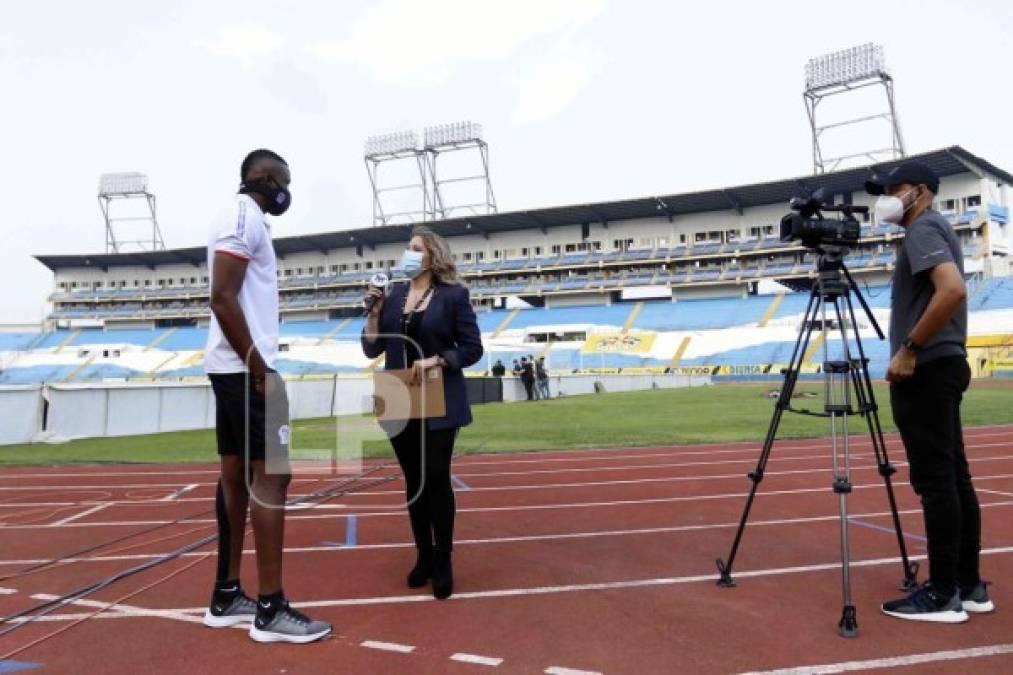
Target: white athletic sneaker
(288, 625)
(241, 610)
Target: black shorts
(246, 423)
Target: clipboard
(394, 398)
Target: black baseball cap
(914, 173)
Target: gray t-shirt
(929, 241)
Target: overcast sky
(580, 100)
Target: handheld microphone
(381, 281)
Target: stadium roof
(945, 162)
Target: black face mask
(278, 198)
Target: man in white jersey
(251, 406)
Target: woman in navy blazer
(433, 313)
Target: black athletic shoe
(236, 610)
(288, 625)
(976, 600)
(925, 604)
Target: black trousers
(926, 409)
(428, 489)
(529, 387)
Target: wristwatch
(911, 345)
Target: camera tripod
(847, 391)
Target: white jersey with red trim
(242, 232)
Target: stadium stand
(722, 331)
(692, 280)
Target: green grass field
(704, 415)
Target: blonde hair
(441, 262)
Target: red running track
(590, 561)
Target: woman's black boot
(443, 575)
(423, 570)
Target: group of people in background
(532, 373)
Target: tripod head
(834, 279)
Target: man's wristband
(911, 345)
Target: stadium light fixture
(437, 140)
(127, 183)
(845, 66)
(128, 187)
(392, 143)
(450, 134)
(844, 72)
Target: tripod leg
(783, 403)
(837, 375)
(756, 476)
(868, 407)
(848, 624)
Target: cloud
(410, 43)
(547, 85)
(245, 42)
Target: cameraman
(928, 375)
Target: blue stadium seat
(98, 336)
(767, 352)
(15, 342)
(307, 328)
(36, 374)
(992, 294)
(101, 371)
(702, 314)
(185, 339)
(604, 315)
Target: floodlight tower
(458, 137)
(399, 146)
(843, 72)
(128, 188)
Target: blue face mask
(411, 263)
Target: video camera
(807, 224)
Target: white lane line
(172, 496)
(710, 577)
(78, 516)
(388, 646)
(128, 610)
(8, 591)
(397, 510)
(161, 501)
(559, 670)
(476, 659)
(995, 492)
(193, 614)
(302, 471)
(621, 452)
(131, 486)
(894, 661)
(66, 617)
(857, 442)
(665, 465)
(524, 538)
(662, 479)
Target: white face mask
(891, 209)
(411, 263)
